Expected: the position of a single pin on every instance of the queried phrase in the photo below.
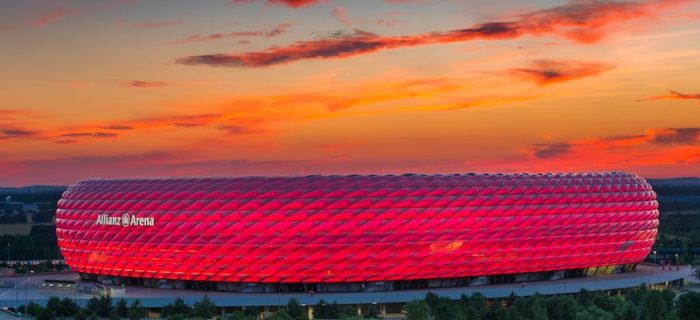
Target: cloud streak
(90, 135)
(14, 133)
(147, 84)
(288, 3)
(546, 72)
(579, 21)
(655, 138)
(268, 33)
(674, 95)
(54, 15)
(154, 164)
(158, 24)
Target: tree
(432, 300)
(69, 308)
(204, 308)
(136, 310)
(591, 312)
(33, 309)
(324, 310)
(46, 314)
(102, 306)
(653, 306)
(59, 307)
(176, 317)
(604, 302)
(417, 310)
(629, 312)
(295, 310)
(636, 296)
(495, 311)
(584, 298)
(53, 305)
(372, 312)
(444, 310)
(688, 306)
(177, 307)
(348, 311)
(113, 315)
(238, 315)
(279, 315)
(562, 307)
(121, 308)
(539, 311)
(81, 315)
(92, 305)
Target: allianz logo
(125, 220)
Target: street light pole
(678, 267)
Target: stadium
(359, 239)
(352, 233)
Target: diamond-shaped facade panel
(355, 228)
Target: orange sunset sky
(117, 89)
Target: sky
(152, 89)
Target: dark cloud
(147, 84)
(90, 134)
(268, 33)
(674, 95)
(651, 139)
(66, 141)
(117, 127)
(581, 21)
(551, 150)
(545, 72)
(16, 133)
(677, 136)
(189, 124)
(235, 129)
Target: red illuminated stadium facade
(354, 233)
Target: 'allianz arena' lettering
(335, 229)
(124, 220)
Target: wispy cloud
(156, 24)
(65, 141)
(90, 135)
(154, 164)
(288, 3)
(655, 138)
(579, 21)
(545, 72)
(674, 95)
(341, 15)
(15, 133)
(146, 84)
(54, 15)
(270, 32)
(117, 127)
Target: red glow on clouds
(584, 22)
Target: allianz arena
(355, 233)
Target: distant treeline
(31, 195)
(40, 244)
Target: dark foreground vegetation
(637, 304)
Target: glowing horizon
(127, 88)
